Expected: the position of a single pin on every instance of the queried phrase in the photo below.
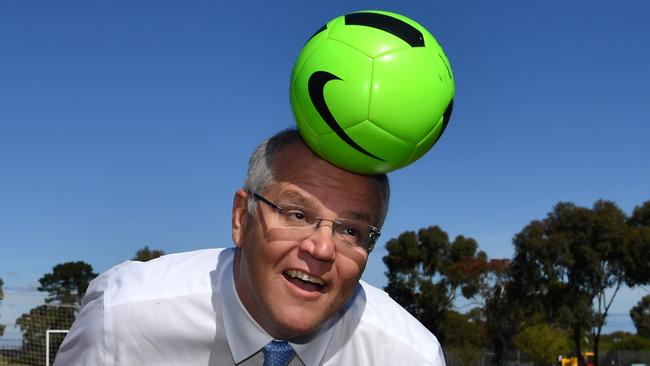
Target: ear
(240, 217)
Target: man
(289, 292)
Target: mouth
(304, 281)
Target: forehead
(309, 180)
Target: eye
(295, 215)
(350, 230)
(298, 215)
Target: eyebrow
(295, 198)
(298, 199)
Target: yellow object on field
(573, 361)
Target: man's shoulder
(382, 311)
(171, 275)
(390, 326)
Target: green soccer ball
(372, 91)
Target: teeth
(305, 277)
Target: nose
(320, 244)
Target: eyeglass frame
(373, 231)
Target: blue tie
(277, 353)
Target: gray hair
(260, 171)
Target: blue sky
(125, 124)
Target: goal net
(31, 330)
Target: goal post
(47, 342)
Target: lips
(304, 280)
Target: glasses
(305, 221)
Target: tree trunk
(577, 332)
(596, 343)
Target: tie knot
(277, 353)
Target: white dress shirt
(182, 309)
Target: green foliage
(634, 343)
(145, 254)
(625, 341)
(565, 263)
(566, 272)
(34, 326)
(640, 315)
(467, 355)
(641, 215)
(543, 343)
(466, 337)
(426, 270)
(67, 283)
(464, 331)
(412, 261)
(637, 245)
(503, 318)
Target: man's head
(298, 261)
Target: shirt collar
(246, 337)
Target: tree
(67, 283)
(640, 315)
(485, 282)
(2, 295)
(465, 336)
(503, 318)
(146, 254)
(543, 343)
(464, 331)
(426, 271)
(641, 215)
(564, 264)
(34, 326)
(410, 279)
(637, 245)
(624, 341)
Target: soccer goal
(47, 342)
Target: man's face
(270, 261)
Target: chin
(296, 326)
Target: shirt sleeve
(85, 344)
(439, 358)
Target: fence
(624, 358)
(517, 358)
(28, 337)
(34, 331)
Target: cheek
(351, 262)
(264, 251)
(350, 268)
(252, 249)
